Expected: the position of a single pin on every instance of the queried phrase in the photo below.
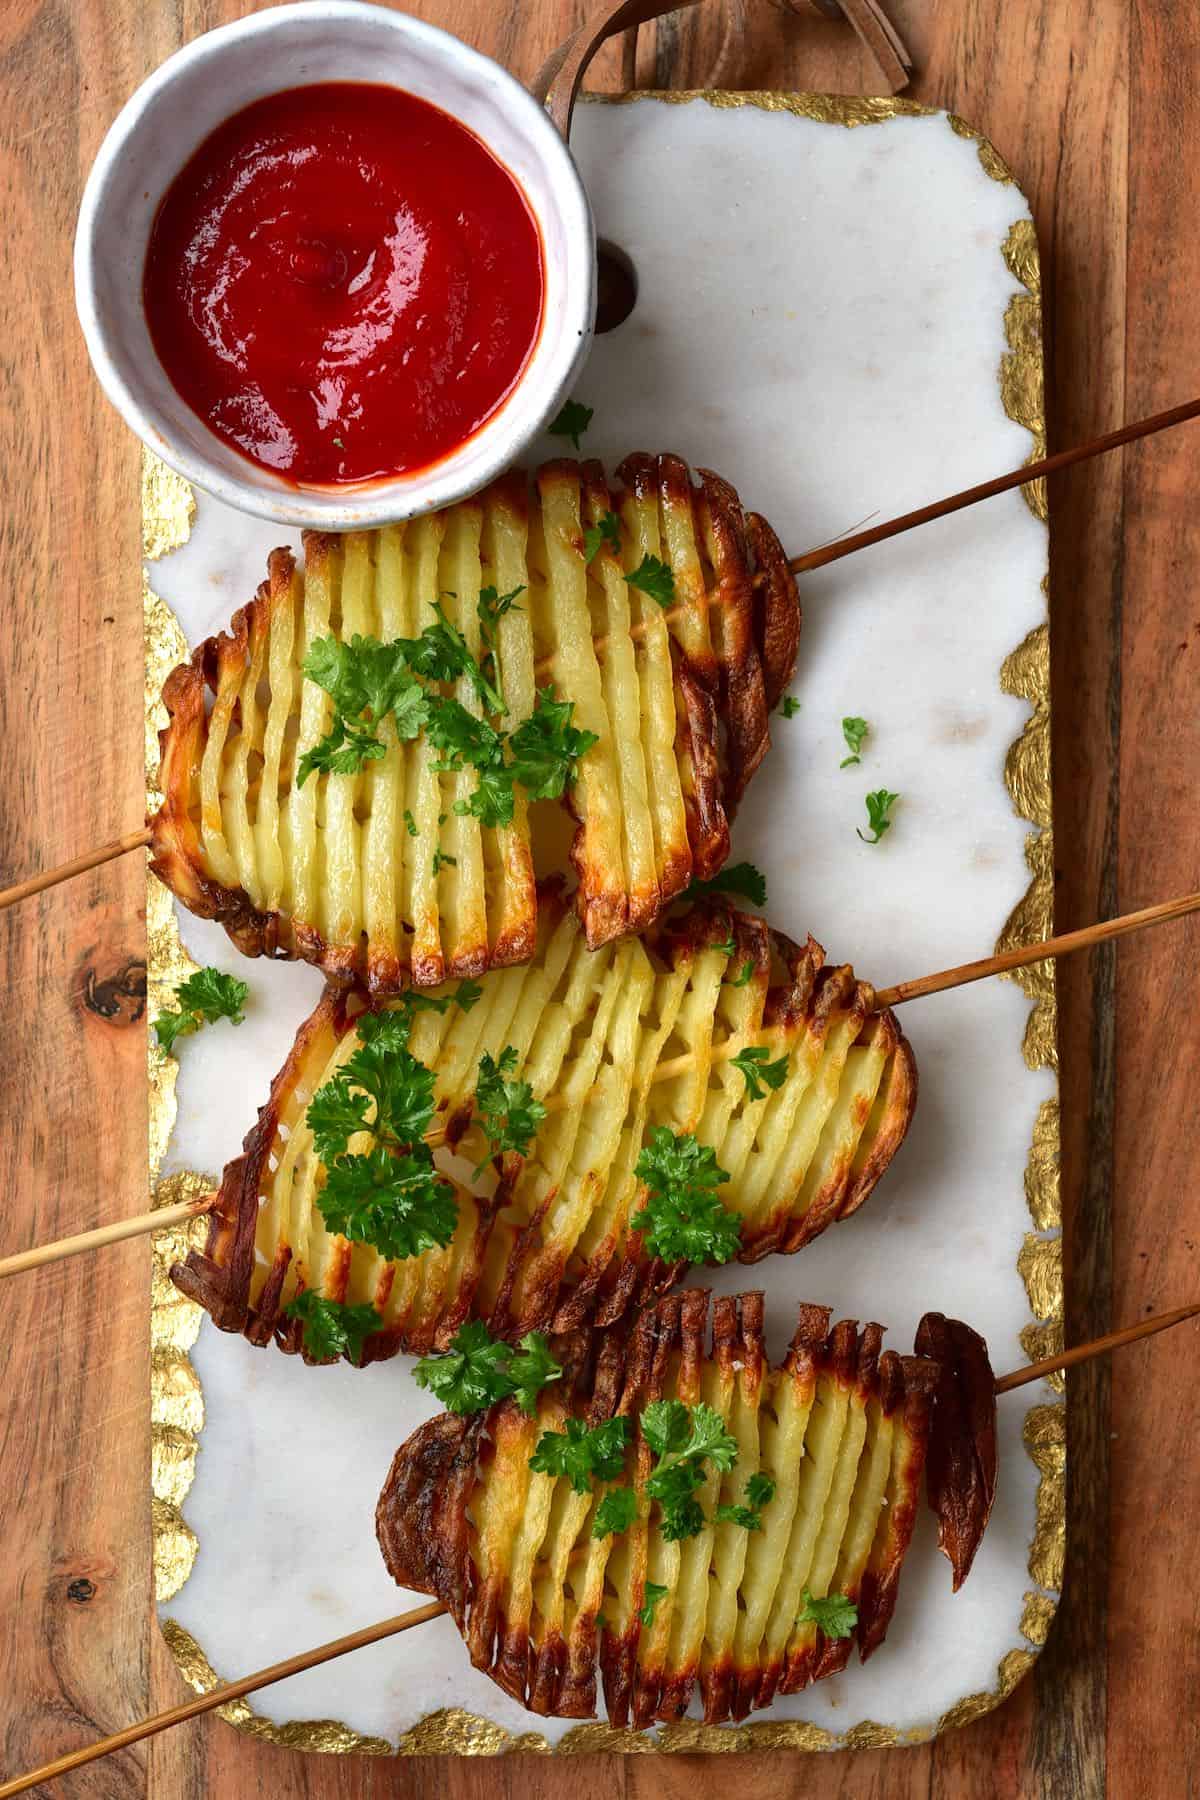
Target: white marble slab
(820, 317)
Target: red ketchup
(344, 283)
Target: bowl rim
(381, 502)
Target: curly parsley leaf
(653, 578)
(745, 1516)
(741, 879)
(491, 607)
(685, 1439)
(572, 421)
(506, 1109)
(760, 1073)
(478, 1370)
(580, 1453)
(399, 1205)
(682, 1218)
(746, 974)
(615, 1513)
(789, 706)
(835, 1614)
(652, 1594)
(344, 750)
(203, 998)
(879, 806)
(546, 749)
(332, 1328)
(855, 733)
(760, 1489)
(607, 531)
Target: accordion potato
(594, 1033)
(841, 1430)
(375, 874)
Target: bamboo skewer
(420, 1615)
(812, 559)
(960, 976)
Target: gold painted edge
(177, 1405)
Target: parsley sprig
(748, 1514)
(682, 1218)
(332, 1327)
(606, 531)
(789, 706)
(505, 1108)
(203, 998)
(653, 1593)
(615, 1513)
(390, 1195)
(478, 1370)
(759, 1071)
(741, 879)
(685, 1438)
(855, 733)
(835, 1614)
(879, 806)
(580, 1452)
(653, 578)
(571, 421)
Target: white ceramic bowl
(183, 102)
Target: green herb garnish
(653, 1593)
(608, 531)
(746, 975)
(855, 733)
(754, 1064)
(506, 1109)
(789, 706)
(879, 805)
(203, 998)
(478, 1370)
(682, 1218)
(580, 1453)
(684, 1438)
(572, 421)
(759, 1489)
(653, 578)
(331, 1327)
(742, 879)
(834, 1614)
(615, 1513)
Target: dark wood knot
(119, 998)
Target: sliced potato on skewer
(750, 1604)
(383, 874)
(617, 1044)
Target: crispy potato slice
(841, 1429)
(342, 871)
(552, 1245)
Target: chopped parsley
(410, 824)
(478, 1370)
(855, 733)
(726, 947)
(759, 1489)
(653, 578)
(682, 1218)
(746, 974)
(653, 1593)
(607, 531)
(506, 1109)
(572, 421)
(615, 1513)
(754, 1064)
(684, 1438)
(390, 1195)
(331, 1327)
(789, 706)
(835, 1614)
(879, 806)
(442, 860)
(580, 1453)
(203, 998)
(742, 879)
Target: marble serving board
(823, 289)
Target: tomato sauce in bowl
(344, 283)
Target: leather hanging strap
(875, 30)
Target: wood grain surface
(1096, 105)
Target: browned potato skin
(963, 1460)
(618, 1277)
(424, 1532)
(723, 699)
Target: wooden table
(1096, 105)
